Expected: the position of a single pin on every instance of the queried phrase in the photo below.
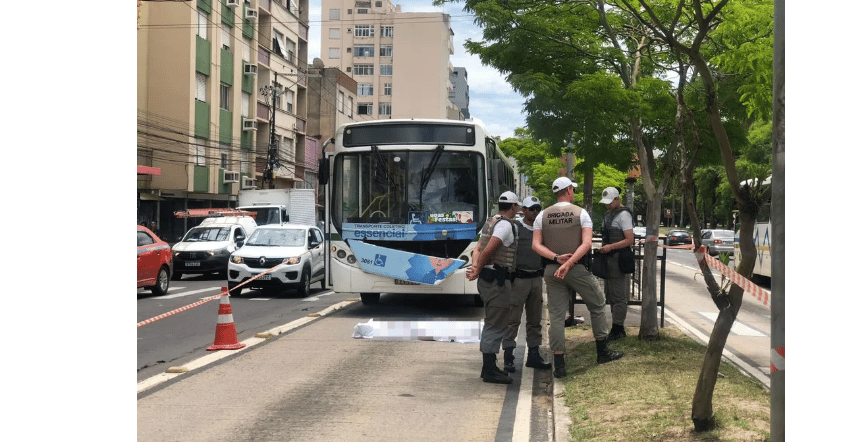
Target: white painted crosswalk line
(192, 292)
(738, 328)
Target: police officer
(562, 235)
(494, 261)
(617, 234)
(527, 293)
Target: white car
(295, 250)
(207, 247)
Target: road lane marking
(738, 328)
(192, 292)
(316, 297)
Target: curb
(261, 337)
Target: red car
(154, 262)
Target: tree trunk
(649, 308)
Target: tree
(692, 32)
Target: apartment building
(400, 61)
(459, 94)
(204, 123)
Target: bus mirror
(323, 171)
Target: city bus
(762, 235)
(405, 200)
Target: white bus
(405, 201)
(762, 235)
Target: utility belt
(529, 273)
(497, 275)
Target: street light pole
(272, 92)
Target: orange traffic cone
(225, 333)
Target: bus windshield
(405, 187)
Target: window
(202, 25)
(200, 94)
(290, 99)
(378, 4)
(333, 52)
(278, 98)
(388, 89)
(363, 11)
(365, 30)
(198, 151)
(365, 89)
(384, 108)
(364, 50)
(387, 31)
(225, 157)
(277, 44)
(334, 33)
(226, 38)
(340, 97)
(225, 97)
(363, 69)
(334, 14)
(290, 50)
(246, 49)
(246, 104)
(386, 50)
(351, 107)
(365, 108)
(386, 69)
(245, 165)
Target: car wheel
(304, 285)
(231, 287)
(177, 276)
(370, 298)
(162, 283)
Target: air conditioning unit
(232, 3)
(251, 14)
(248, 124)
(248, 183)
(231, 177)
(250, 69)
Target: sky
(492, 100)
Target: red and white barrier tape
(756, 292)
(205, 300)
(777, 359)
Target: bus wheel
(478, 301)
(370, 298)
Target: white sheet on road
(444, 331)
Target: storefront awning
(148, 170)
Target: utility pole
(272, 92)
(777, 327)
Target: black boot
(508, 360)
(617, 332)
(605, 354)
(490, 372)
(535, 361)
(560, 369)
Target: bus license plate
(192, 264)
(401, 282)
(266, 277)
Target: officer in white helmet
(494, 261)
(562, 235)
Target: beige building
(400, 61)
(203, 123)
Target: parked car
(717, 241)
(154, 262)
(677, 238)
(299, 247)
(207, 247)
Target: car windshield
(198, 234)
(277, 237)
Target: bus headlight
(351, 259)
(341, 253)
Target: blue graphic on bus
(406, 266)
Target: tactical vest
(610, 234)
(526, 257)
(562, 228)
(504, 256)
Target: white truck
(277, 206)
